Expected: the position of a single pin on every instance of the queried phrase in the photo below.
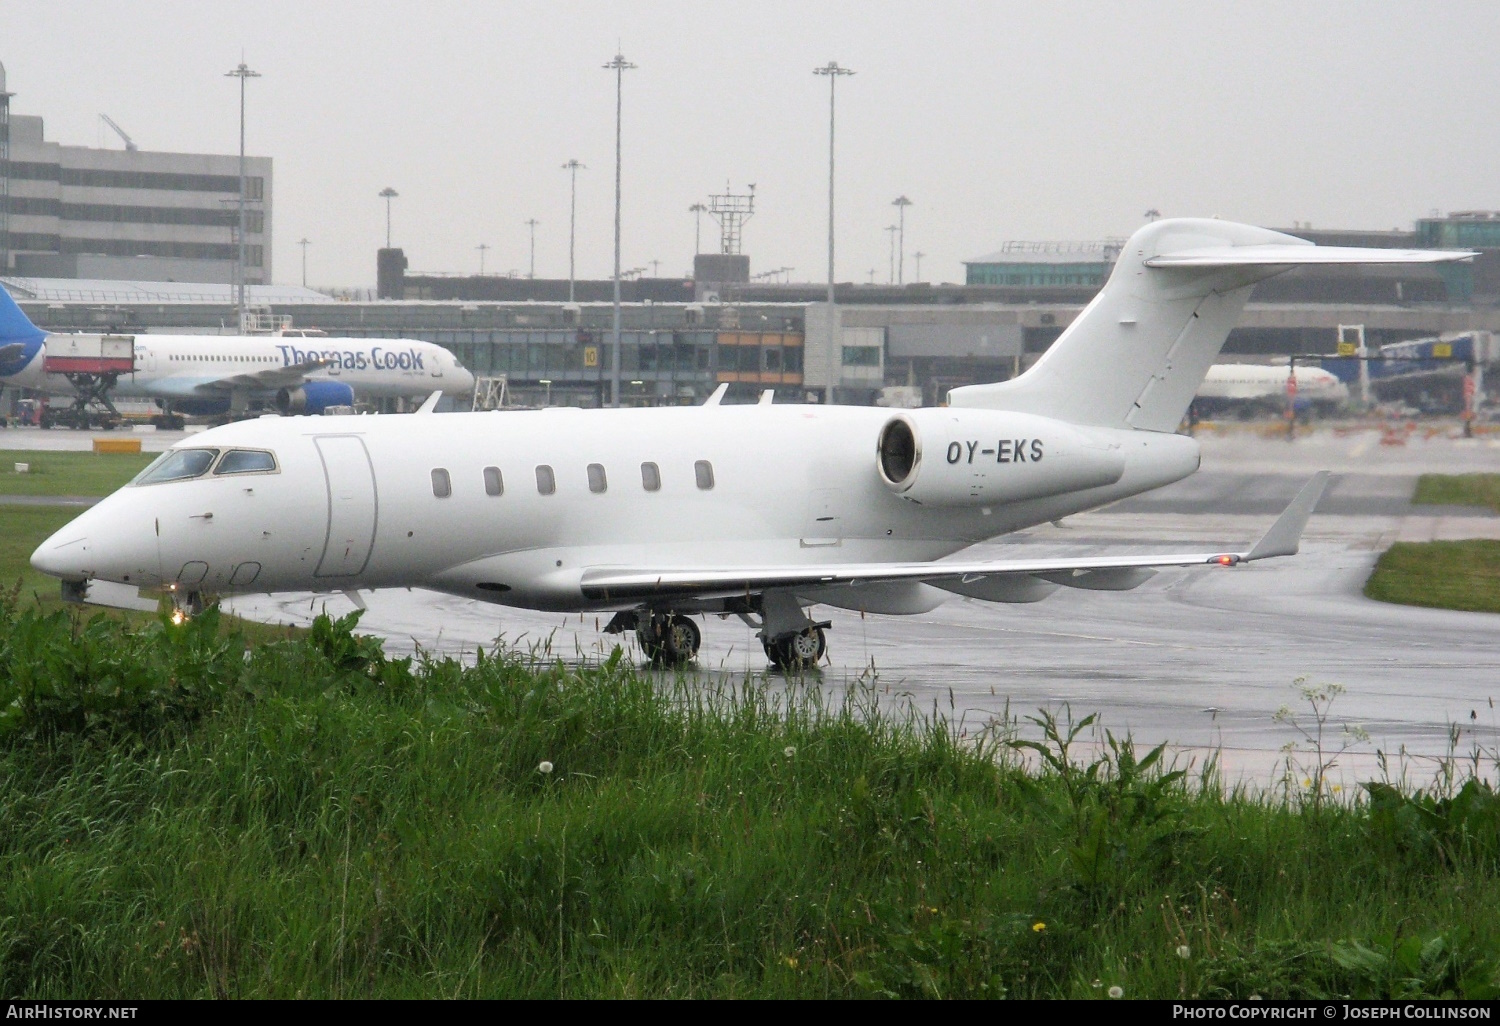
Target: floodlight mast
(834, 72)
(572, 167)
(532, 223)
(697, 210)
(619, 65)
(388, 194)
(304, 242)
(901, 203)
(242, 72)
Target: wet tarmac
(1200, 658)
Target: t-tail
(1135, 356)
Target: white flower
(1117, 991)
(789, 751)
(544, 767)
(1183, 951)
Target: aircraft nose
(64, 555)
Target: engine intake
(314, 397)
(969, 457)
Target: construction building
(126, 214)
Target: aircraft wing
(271, 378)
(1292, 255)
(1103, 573)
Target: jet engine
(973, 457)
(314, 397)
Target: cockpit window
(246, 461)
(177, 465)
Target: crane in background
(130, 146)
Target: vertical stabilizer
(1137, 354)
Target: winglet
(1285, 535)
(430, 403)
(718, 396)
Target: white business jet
(209, 375)
(762, 511)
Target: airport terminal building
(129, 214)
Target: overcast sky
(999, 120)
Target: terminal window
(861, 356)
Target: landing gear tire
(798, 651)
(669, 640)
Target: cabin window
(546, 481)
(177, 465)
(442, 484)
(246, 461)
(704, 472)
(597, 481)
(651, 477)
(493, 483)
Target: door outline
(329, 486)
(825, 520)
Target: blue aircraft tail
(20, 340)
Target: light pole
(919, 255)
(619, 65)
(901, 203)
(304, 243)
(482, 247)
(697, 210)
(572, 167)
(891, 230)
(532, 223)
(242, 72)
(833, 72)
(388, 194)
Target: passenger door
(352, 506)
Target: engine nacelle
(971, 457)
(314, 397)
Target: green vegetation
(1444, 574)
(1458, 490)
(68, 473)
(186, 814)
(24, 528)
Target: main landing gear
(666, 639)
(800, 651)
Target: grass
(1458, 490)
(189, 815)
(68, 473)
(24, 528)
(1444, 574)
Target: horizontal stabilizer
(1290, 256)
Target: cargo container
(90, 354)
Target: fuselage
(512, 507)
(189, 367)
(1251, 382)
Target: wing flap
(978, 579)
